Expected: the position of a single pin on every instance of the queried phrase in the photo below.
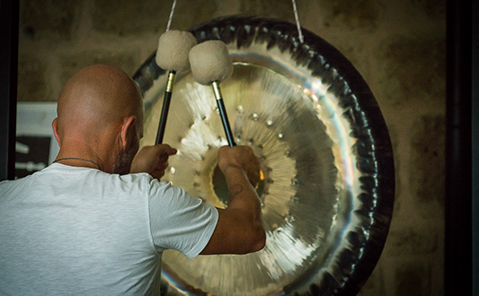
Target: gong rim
(354, 263)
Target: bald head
(96, 98)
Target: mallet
(172, 54)
(210, 65)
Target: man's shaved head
(96, 97)
(100, 117)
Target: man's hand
(152, 160)
(240, 157)
(240, 228)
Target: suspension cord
(171, 16)
(296, 17)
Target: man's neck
(76, 161)
(78, 153)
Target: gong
(327, 171)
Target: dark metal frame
(475, 147)
(461, 277)
(9, 11)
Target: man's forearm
(240, 228)
(242, 195)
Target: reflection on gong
(327, 175)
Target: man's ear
(55, 131)
(128, 123)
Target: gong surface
(327, 185)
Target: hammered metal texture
(327, 190)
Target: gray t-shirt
(70, 230)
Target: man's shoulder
(4, 184)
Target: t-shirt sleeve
(178, 220)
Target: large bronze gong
(327, 189)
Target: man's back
(70, 230)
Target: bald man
(97, 220)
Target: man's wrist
(231, 166)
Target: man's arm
(239, 229)
(152, 160)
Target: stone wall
(398, 46)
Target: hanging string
(300, 34)
(171, 15)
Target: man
(85, 226)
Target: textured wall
(398, 46)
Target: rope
(300, 34)
(171, 16)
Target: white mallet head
(173, 49)
(210, 62)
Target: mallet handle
(166, 107)
(224, 116)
